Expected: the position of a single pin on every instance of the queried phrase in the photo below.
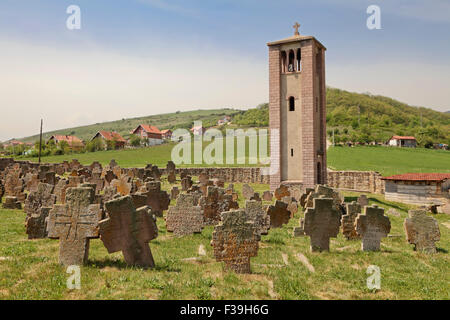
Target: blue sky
(141, 57)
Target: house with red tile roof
(150, 134)
(166, 134)
(106, 136)
(73, 142)
(402, 141)
(418, 188)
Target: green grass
(29, 269)
(385, 160)
(388, 161)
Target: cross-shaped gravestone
(74, 223)
(157, 199)
(14, 185)
(422, 231)
(281, 192)
(256, 213)
(129, 230)
(321, 223)
(186, 183)
(186, 217)
(348, 221)
(37, 207)
(279, 214)
(372, 226)
(123, 185)
(235, 240)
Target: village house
(150, 134)
(73, 142)
(106, 136)
(166, 134)
(224, 120)
(400, 141)
(418, 188)
(198, 130)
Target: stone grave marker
(279, 214)
(74, 223)
(37, 207)
(11, 203)
(247, 191)
(186, 183)
(372, 226)
(422, 231)
(256, 213)
(348, 221)
(157, 199)
(186, 217)
(363, 201)
(281, 192)
(267, 196)
(321, 223)
(235, 240)
(129, 230)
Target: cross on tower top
(296, 26)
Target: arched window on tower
(283, 61)
(291, 65)
(299, 60)
(291, 104)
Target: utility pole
(40, 144)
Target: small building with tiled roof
(106, 136)
(166, 134)
(73, 142)
(150, 134)
(418, 188)
(402, 141)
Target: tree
(135, 140)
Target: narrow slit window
(291, 104)
(292, 152)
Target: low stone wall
(361, 181)
(244, 175)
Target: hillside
(124, 126)
(353, 116)
(365, 118)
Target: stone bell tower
(297, 111)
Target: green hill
(353, 116)
(124, 126)
(364, 118)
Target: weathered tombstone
(281, 192)
(348, 221)
(110, 193)
(321, 223)
(256, 213)
(37, 207)
(247, 191)
(203, 178)
(295, 191)
(186, 217)
(304, 196)
(174, 193)
(219, 183)
(113, 163)
(171, 177)
(11, 203)
(74, 223)
(156, 173)
(74, 181)
(235, 240)
(422, 231)
(123, 185)
(109, 176)
(60, 189)
(214, 203)
(31, 181)
(14, 185)
(157, 199)
(279, 214)
(372, 226)
(139, 200)
(256, 197)
(186, 183)
(267, 196)
(363, 201)
(129, 230)
(230, 189)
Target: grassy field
(385, 160)
(29, 269)
(388, 161)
